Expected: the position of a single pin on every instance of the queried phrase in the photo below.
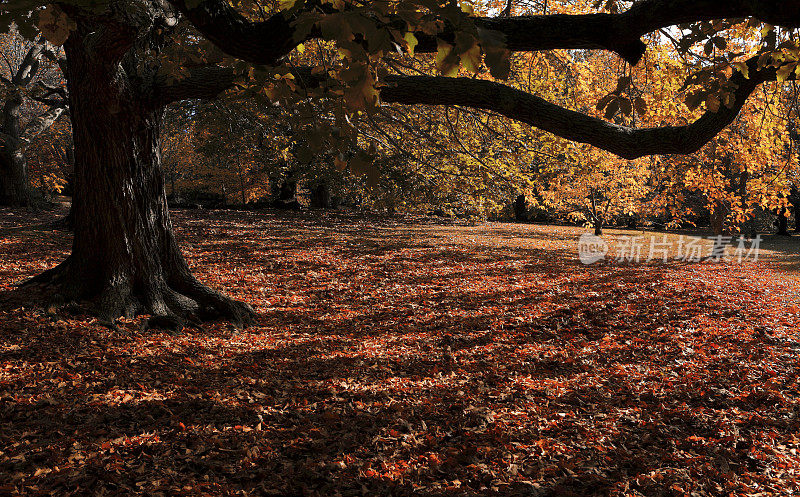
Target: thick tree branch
(30, 65)
(200, 82)
(623, 141)
(40, 123)
(262, 42)
(267, 41)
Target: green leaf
(411, 42)
(446, 59)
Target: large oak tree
(124, 253)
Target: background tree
(33, 99)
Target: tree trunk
(321, 196)
(124, 254)
(520, 209)
(783, 222)
(287, 193)
(14, 187)
(718, 218)
(794, 199)
(598, 229)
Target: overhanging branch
(267, 41)
(623, 141)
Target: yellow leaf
(785, 70)
(742, 67)
(472, 59)
(446, 60)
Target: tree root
(172, 304)
(49, 276)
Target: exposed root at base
(181, 303)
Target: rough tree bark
(14, 189)
(717, 217)
(124, 254)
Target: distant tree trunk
(15, 189)
(288, 190)
(718, 218)
(744, 177)
(794, 199)
(783, 222)
(286, 193)
(240, 171)
(520, 209)
(596, 218)
(124, 253)
(321, 196)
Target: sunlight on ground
(396, 357)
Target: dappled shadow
(407, 359)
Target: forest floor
(399, 357)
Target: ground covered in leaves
(406, 357)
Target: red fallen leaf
(341, 358)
